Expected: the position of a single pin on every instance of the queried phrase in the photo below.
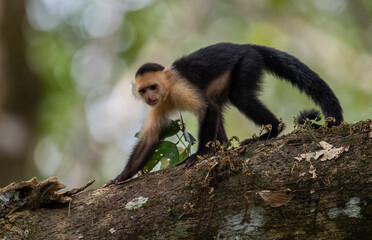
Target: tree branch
(272, 191)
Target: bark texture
(305, 185)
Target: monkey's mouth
(152, 103)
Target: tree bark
(293, 187)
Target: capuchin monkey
(204, 81)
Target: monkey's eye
(153, 87)
(142, 91)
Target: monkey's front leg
(142, 152)
(210, 129)
(153, 131)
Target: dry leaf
(327, 153)
(276, 198)
(330, 152)
(325, 145)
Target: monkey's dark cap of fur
(149, 67)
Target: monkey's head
(152, 83)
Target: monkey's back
(206, 64)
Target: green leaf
(166, 150)
(165, 163)
(184, 153)
(174, 161)
(173, 128)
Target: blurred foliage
(52, 53)
(87, 51)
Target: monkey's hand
(108, 183)
(120, 178)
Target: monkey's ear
(134, 91)
(168, 73)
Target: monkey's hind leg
(260, 115)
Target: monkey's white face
(150, 94)
(153, 87)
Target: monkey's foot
(192, 160)
(249, 141)
(263, 137)
(240, 150)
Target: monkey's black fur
(149, 67)
(247, 63)
(227, 72)
(310, 114)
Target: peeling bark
(268, 192)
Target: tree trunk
(20, 94)
(305, 185)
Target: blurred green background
(66, 107)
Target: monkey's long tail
(289, 68)
(312, 115)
